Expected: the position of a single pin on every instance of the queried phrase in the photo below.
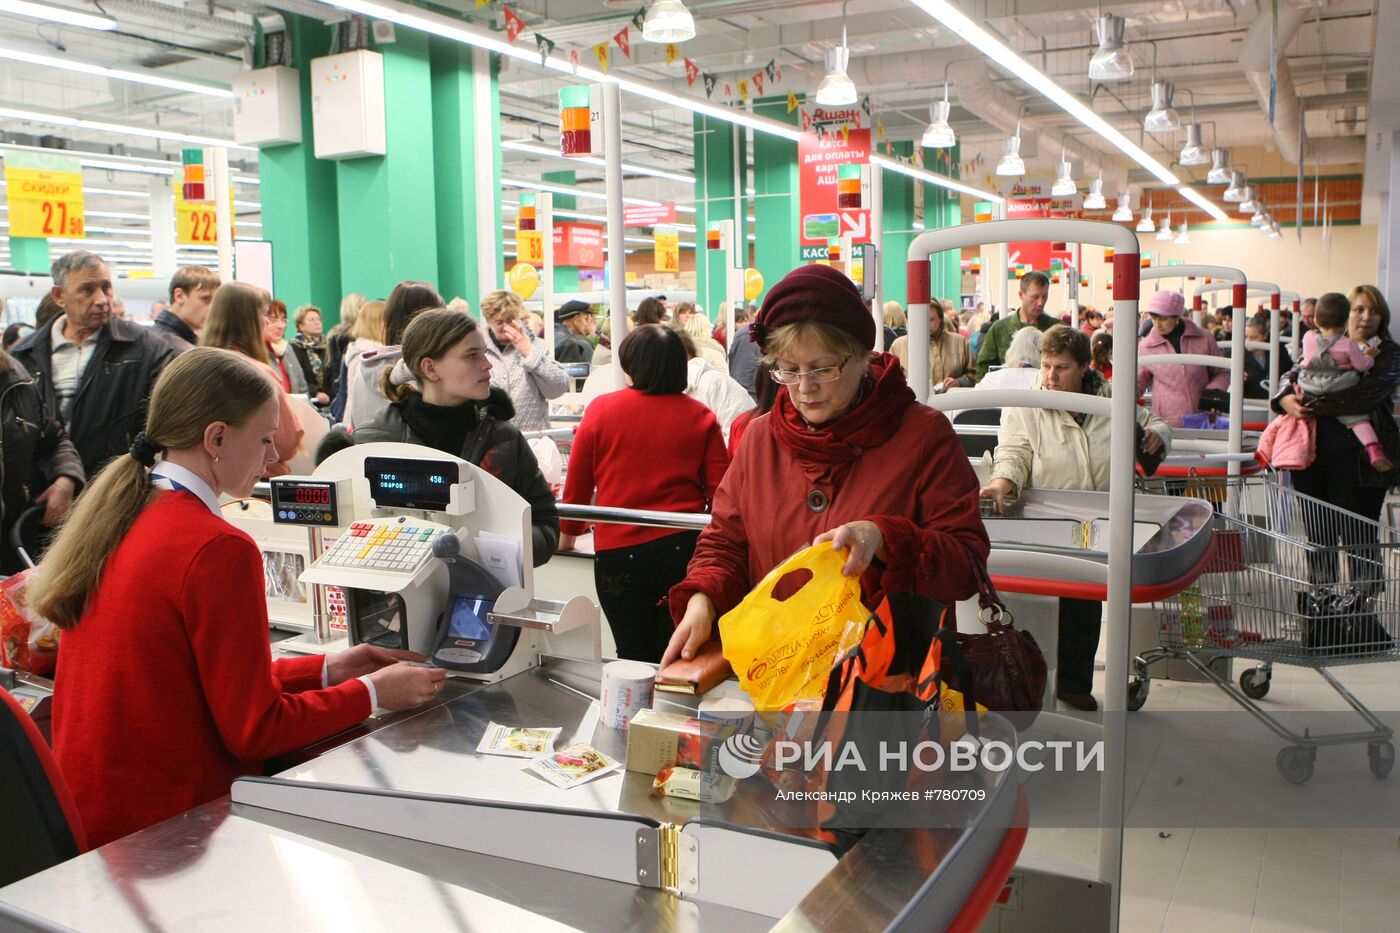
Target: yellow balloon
(753, 284)
(524, 279)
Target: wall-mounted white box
(267, 110)
(347, 105)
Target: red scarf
(872, 421)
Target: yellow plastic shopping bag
(783, 649)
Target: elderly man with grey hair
(93, 370)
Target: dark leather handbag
(1007, 664)
(1338, 621)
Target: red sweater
(166, 689)
(639, 451)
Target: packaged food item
(27, 642)
(573, 765)
(658, 740)
(689, 784)
(516, 741)
(628, 686)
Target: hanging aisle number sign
(529, 240)
(196, 223)
(581, 120)
(45, 195)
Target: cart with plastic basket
(1292, 580)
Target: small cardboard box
(660, 740)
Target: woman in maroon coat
(847, 455)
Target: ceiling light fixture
(121, 129)
(836, 89)
(939, 135)
(1248, 202)
(627, 167)
(1064, 186)
(1011, 163)
(1145, 225)
(1203, 202)
(57, 14)
(1219, 173)
(1235, 192)
(1094, 200)
(1193, 153)
(1162, 118)
(101, 71)
(668, 21)
(1124, 213)
(1111, 62)
(1181, 238)
(1164, 232)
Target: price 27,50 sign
(45, 195)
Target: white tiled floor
(1278, 880)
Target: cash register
(432, 555)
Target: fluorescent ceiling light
(57, 14)
(938, 134)
(1219, 173)
(1193, 153)
(668, 21)
(1204, 203)
(572, 192)
(1111, 62)
(1094, 200)
(101, 71)
(523, 146)
(929, 177)
(1162, 118)
(1011, 163)
(836, 88)
(57, 119)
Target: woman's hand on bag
(1001, 487)
(862, 541)
(1295, 406)
(1151, 442)
(692, 631)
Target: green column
(388, 207)
(299, 214)
(456, 124)
(777, 212)
(898, 226)
(943, 208)
(715, 158)
(30, 254)
(565, 277)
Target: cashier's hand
(404, 686)
(363, 659)
(1151, 442)
(692, 631)
(56, 500)
(1001, 487)
(862, 541)
(1295, 406)
(566, 543)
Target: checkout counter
(401, 823)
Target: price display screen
(411, 484)
(304, 502)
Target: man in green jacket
(1035, 290)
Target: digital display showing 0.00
(297, 501)
(313, 495)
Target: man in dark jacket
(94, 373)
(37, 458)
(191, 293)
(573, 324)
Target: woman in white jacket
(720, 392)
(1048, 449)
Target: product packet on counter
(689, 784)
(573, 765)
(517, 742)
(657, 740)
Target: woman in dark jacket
(440, 396)
(1341, 473)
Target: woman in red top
(648, 446)
(846, 455)
(166, 690)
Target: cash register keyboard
(394, 546)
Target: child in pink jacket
(1333, 362)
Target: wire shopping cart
(1292, 580)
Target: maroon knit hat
(815, 293)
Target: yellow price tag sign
(196, 222)
(529, 245)
(668, 249)
(45, 195)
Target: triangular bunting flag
(639, 18)
(601, 51)
(482, 3)
(545, 46)
(729, 90)
(692, 71)
(743, 89)
(624, 41)
(879, 129)
(771, 70)
(865, 104)
(758, 81)
(573, 57)
(514, 25)
(845, 132)
(672, 53)
(806, 121)
(710, 82)
(792, 102)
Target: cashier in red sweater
(847, 455)
(166, 689)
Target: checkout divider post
(617, 256)
(544, 222)
(1123, 405)
(873, 274)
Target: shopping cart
(1291, 580)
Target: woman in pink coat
(1176, 389)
